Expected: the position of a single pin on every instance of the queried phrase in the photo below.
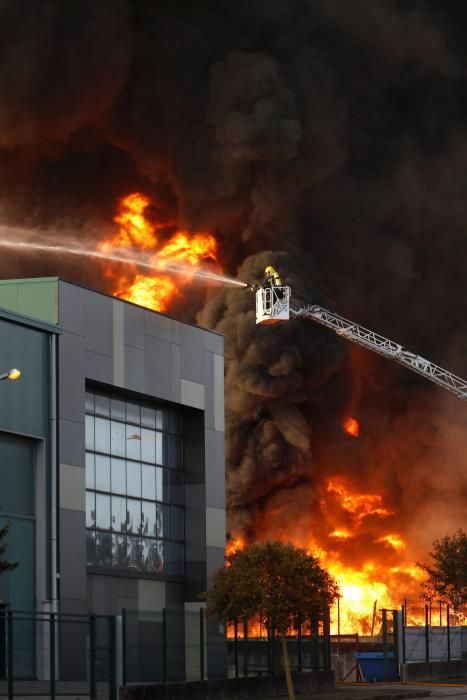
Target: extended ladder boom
(387, 348)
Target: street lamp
(12, 374)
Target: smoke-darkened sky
(330, 132)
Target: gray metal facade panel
(71, 308)
(192, 354)
(209, 389)
(194, 448)
(107, 595)
(72, 373)
(134, 369)
(134, 326)
(174, 593)
(215, 471)
(162, 327)
(195, 522)
(176, 372)
(71, 442)
(159, 376)
(195, 579)
(215, 558)
(72, 606)
(97, 367)
(98, 323)
(214, 342)
(72, 554)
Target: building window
(134, 485)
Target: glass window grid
(153, 540)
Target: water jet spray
(152, 262)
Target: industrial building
(111, 457)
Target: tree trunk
(288, 675)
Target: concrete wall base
(433, 671)
(230, 688)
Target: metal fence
(49, 655)
(52, 655)
(253, 650)
(163, 646)
(438, 636)
(258, 657)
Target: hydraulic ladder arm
(387, 348)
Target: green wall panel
(35, 297)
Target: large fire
(137, 233)
(383, 574)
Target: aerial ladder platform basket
(272, 304)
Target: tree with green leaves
(4, 565)
(447, 571)
(279, 584)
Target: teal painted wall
(24, 403)
(24, 411)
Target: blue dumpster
(372, 666)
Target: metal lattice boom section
(386, 348)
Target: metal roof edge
(145, 308)
(23, 320)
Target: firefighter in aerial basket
(271, 278)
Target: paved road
(392, 691)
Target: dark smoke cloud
(61, 66)
(271, 375)
(333, 132)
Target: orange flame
(359, 504)
(357, 524)
(352, 427)
(137, 232)
(235, 546)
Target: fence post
(384, 621)
(124, 647)
(449, 632)
(269, 648)
(112, 660)
(164, 645)
(395, 634)
(427, 636)
(10, 654)
(245, 647)
(299, 644)
(403, 635)
(52, 655)
(92, 658)
(327, 639)
(274, 655)
(201, 644)
(314, 646)
(236, 647)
